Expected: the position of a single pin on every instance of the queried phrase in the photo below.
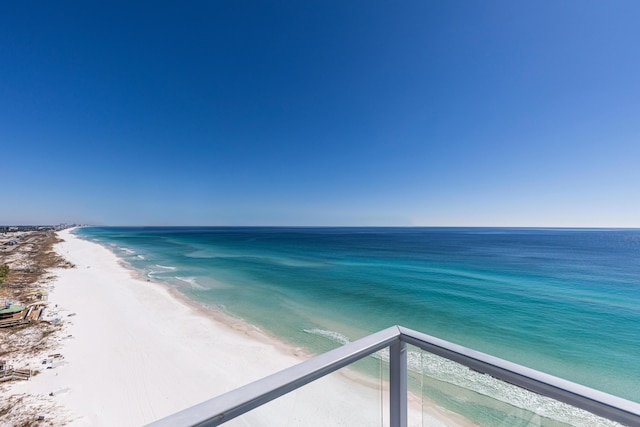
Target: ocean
(562, 301)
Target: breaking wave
(333, 336)
(191, 281)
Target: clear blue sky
(321, 113)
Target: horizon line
(576, 227)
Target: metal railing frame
(230, 405)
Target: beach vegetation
(4, 272)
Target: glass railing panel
(451, 394)
(357, 395)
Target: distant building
(10, 228)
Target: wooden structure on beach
(8, 373)
(15, 314)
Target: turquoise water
(563, 301)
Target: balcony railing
(230, 405)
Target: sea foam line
(332, 335)
(191, 281)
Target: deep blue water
(563, 301)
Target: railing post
(398, 384)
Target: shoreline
(233, 323)
(136, 351)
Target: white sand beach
(134, 352)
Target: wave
(191, 281)
(332, 335)
(165, 269)
(435, 367)
(127, 250)
(140, 257)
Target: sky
(302, 113)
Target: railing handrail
(227, 406)
(595, 401)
